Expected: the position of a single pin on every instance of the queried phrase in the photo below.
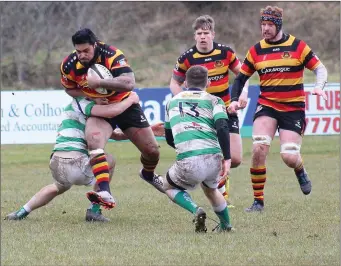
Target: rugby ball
(102, 72)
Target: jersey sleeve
(308, 58)
(118, 64)
(180, 69)
(248, 67)
(84, 105)
(219, 109)
(66, 79)
(233, 59)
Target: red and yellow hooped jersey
(218, 62)
(280, 67)
(74, 74)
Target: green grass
(146, 228)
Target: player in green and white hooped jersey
(196, 126)
(70, 164)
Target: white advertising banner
(323, 117)
(31, 116)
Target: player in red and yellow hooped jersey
(89, 51)
(219, 59)
(279, 60)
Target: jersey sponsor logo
(218, 63)
(208, 59)
(275, 69)
(216, 78)
(286, 55)
(194, 125)
(276, 49)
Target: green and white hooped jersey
(191, 116)
(71, 132)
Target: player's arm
(168, 129)
(175, 84)
(178, 75)
(242, 100)
(221, 125)
(313, 63)
(114, 109)
(123, 83)
(245, 72)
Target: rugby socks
(148, 167)
(22, 212)
(184, 200)
(95, 207)
(223, 214)
(258, 179)
(100, 168)
(299, 170)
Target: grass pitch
(146, 228)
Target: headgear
(273, 16)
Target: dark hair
(196, 77)
(84, 36)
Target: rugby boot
(199, 220)
(92, 216)
(103, 198)
(157, 181)
(304, 182)
(257, 206)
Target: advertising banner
(29, 117)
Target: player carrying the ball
(133, 123)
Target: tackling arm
(223, 134)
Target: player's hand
(93, 81)
(243, 100)
(158, 129)
(233, 107)
(225, 167)
(133, 97)
(320, 92)
(101, 101)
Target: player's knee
(290, 153)
(152, 152)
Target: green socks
(184, 200)
(95, 207)
(224, 217)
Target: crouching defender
(70, 162)
(196, 126)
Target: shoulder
(68, 63)
(223, 47)
(188, 53)
(108, 50)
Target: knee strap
(262, 139)
(291, 148)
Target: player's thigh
(264, 121)
(142, 138)
(97, 132)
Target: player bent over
(70, 162)
(196, 126)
